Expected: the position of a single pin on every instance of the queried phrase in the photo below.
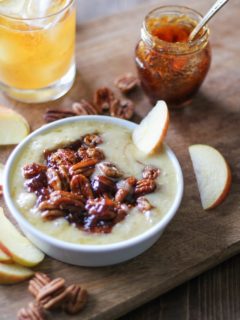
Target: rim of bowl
(27, 226)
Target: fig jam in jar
(170, 67)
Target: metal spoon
(214, 9)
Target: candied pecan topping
(144, 186)
(65, 157)
(54, 181)
(81, 185)
(143, 204)
(65, 200)
(87, 152)
(124, 110)
(77, 299)
(101, 208)
(65, 177)
(104, 99)
(38, 282)
(125, 189)
(85, 166)
(83, 107)
(110, 170)
(126, 82)
(102, 185)
(150, 172)
(55, 114)
(92, 140)
(32, 312)
(52, 214)
(53, 294)
(33, 169)
(37, 182)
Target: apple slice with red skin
(212, 173)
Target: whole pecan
(54, 114)
(32, 312)
(101, 208)
(150, 172)
(143, 204)
(110, 170)
(102, 185)
(52, 214)
(104, 99)
(77, 299)
(65, 157)
(38, 282)
(53, 294)
(88, 152)
(66, 200)
(33, 169)
(85, 167)
(92, 140)
(81, 185)
(123, 110)
(83, 107)
(54, 181)
(126, 83)
(144, 186)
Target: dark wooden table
(215, 295)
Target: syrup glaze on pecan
(76, 183)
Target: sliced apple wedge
(4, 257)
(212, 173)
(18, 247)
(150, 133)
(14, 273)
(13, 127)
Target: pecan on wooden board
(104, 100)
(83, 107)
(32, 312)
(77, 299)
(55, 114)
(38, 282)
(126, 83)
(124, 109)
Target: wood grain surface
(195, 240)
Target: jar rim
(175, 47)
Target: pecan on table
(33, 169)
(53, 294)
(104, 100)
(54, 180)
(102, 185)
(144, 186)
(110, 170)
(143, 204)
(83, 107)
(77, 299)
(65, 157)
(55, 114)
(38, 282)
(85, 167)
(32, 312)
(92, 140)
(150, 172)
(124, 110)
(81, 185)
(126, 82)
(88, 152)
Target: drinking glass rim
(39, 18)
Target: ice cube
(13, 8)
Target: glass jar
(170, 67)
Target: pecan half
(55, 114)
(83, 107)
(77, 299)
(92, 140)
(143, 204)
(32, 312)
(102, 185)
(33, 169)
(104, 99)
(38, 282)
(66, 200)
(125, 189)
(88, 152)
(110, 170)
(144, 186)
(101, 208)
(150, 172)
(81, 185)
(65, 178)
(54, 181)
(124, 110)
(65, 157)
(85, 167)
(37, 182)
(53, 294)
(126, 82)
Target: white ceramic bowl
(90, 255)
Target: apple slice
(13, 127)
(18, 247)
(150, 133)
(14, 273)
(4, 258)
(212, 173)
(1, 178)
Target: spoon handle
(214, 9)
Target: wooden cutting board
(195, 240)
